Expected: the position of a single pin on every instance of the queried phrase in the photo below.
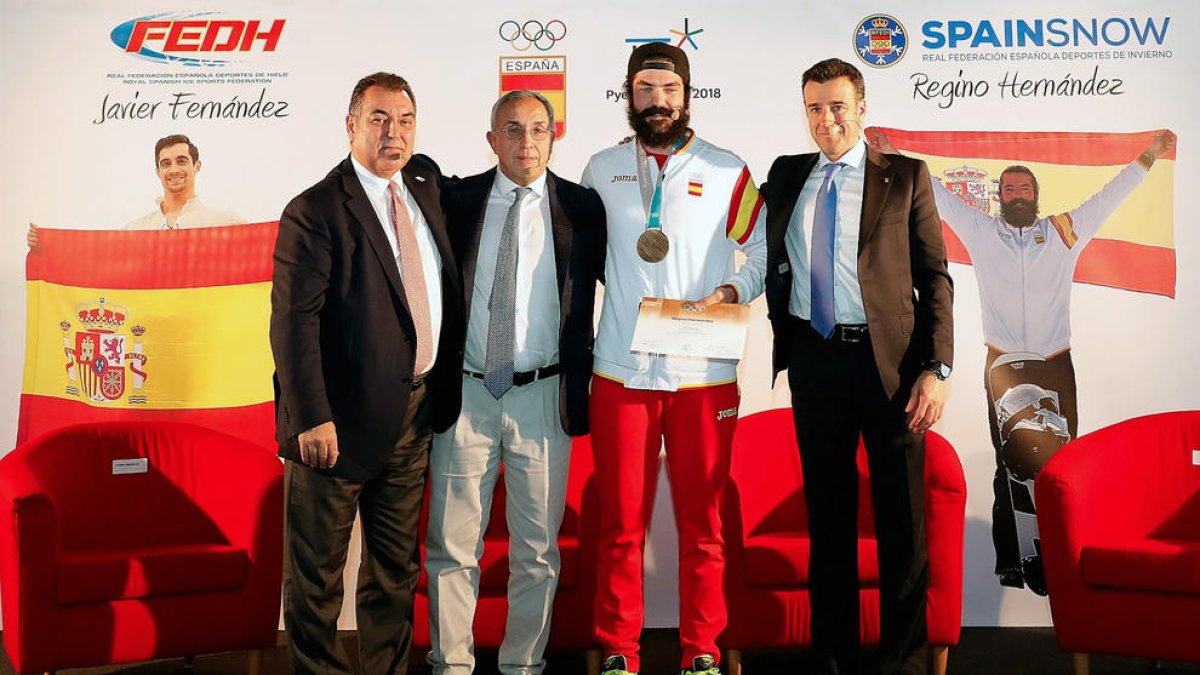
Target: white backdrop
(67, 167)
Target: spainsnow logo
(880, 40)
(196, 38)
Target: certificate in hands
(678, 328)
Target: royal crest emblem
(971, 185)
(104, 362)
(880, 40)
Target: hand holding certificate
(682, 328)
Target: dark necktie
(502, 305)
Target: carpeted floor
(981, 651)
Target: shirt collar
(855, 158)
(505, 185)
(374, 185)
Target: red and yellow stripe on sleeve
(150, 325)
(744, 206)
(1063, 225)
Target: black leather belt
(524, 377)
(849, 333)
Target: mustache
(657, 110)
(1019, 212)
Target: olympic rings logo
(532, 33)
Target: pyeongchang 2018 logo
(196, 38)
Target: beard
(1019, 212)
(651, 133)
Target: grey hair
(518, 95)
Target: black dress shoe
(1035, 574)
(828, 665)
(1011, 577)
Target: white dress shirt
(431, 262)
(535, 333)
(847, 294)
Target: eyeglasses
(515, 132)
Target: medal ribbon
(654, 205)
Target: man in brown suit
(860, 303)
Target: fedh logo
(196, 38)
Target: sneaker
(615, 665)
(702, 665)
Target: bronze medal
(653, 245)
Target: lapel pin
(419, 179)
(887, 179)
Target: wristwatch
(940, 370)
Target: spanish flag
(1134, 249)
(168, 324)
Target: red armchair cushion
(782, 559)
(102, 576)
(1167, 565)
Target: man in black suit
(860, 302)
(531, 246)
(366, 296)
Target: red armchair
(571, 626)
(767, 546)
(1119, 516)
(180, 556)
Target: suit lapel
(422, 191)
(360, 206)
(562, 232)
(791, 195)
(877, 181)
(474, 195)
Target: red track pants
(628, 427)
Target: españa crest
(105, 360)
(971, 185)
(546, 75)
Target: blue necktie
(824, 234)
